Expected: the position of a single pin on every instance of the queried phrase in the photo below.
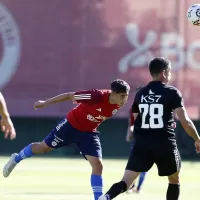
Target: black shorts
(168, 160)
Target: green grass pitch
(63, 179)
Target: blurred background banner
(48, 47)
(68, 45)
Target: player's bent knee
(96, 163)
(174, 181)
(40, 147)
(97, 168)
(174, 178)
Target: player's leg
(132, 187)
(169, 164)
(90, 147)
(122, 186)
(173, 190)
(139, 161)
(53, 140)
(31, 150)
(27, 152)
(96, 179)
(141, 181)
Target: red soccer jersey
(93, 109)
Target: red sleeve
(88, 96)
(131, 119)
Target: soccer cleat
(10, 165)
(104, 197)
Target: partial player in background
(154, 133)
(130, 138)
(79, 127)
(6, 123)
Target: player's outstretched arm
(56, 99)
(188, 126)
(6, 123)
(83, 96)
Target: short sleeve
(135, 108)
(177, 99)
(88, 96)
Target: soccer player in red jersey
(79, 127)
(6, 123)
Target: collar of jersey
(157, 82)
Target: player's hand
(197, 145)
(39, 104)
(129, 136)
(7, 127)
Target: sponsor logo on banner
(172, 46)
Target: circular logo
(54, 143)
(11, 45)
(114, 111)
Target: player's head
(120, 91)
(160, 69)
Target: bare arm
(129, 134)
(83, 96)
(184, 119)
(60, 98)
(187, 123)
(3, 107)
(6, 123)
(56, 99)
(133, 115)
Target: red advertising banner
(67, 45)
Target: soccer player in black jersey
(155, 142)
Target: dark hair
(157, 65)
(120, 86)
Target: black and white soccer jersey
(155, 104)
(154, 134)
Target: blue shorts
(65, 134)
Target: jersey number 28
(155, 114)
